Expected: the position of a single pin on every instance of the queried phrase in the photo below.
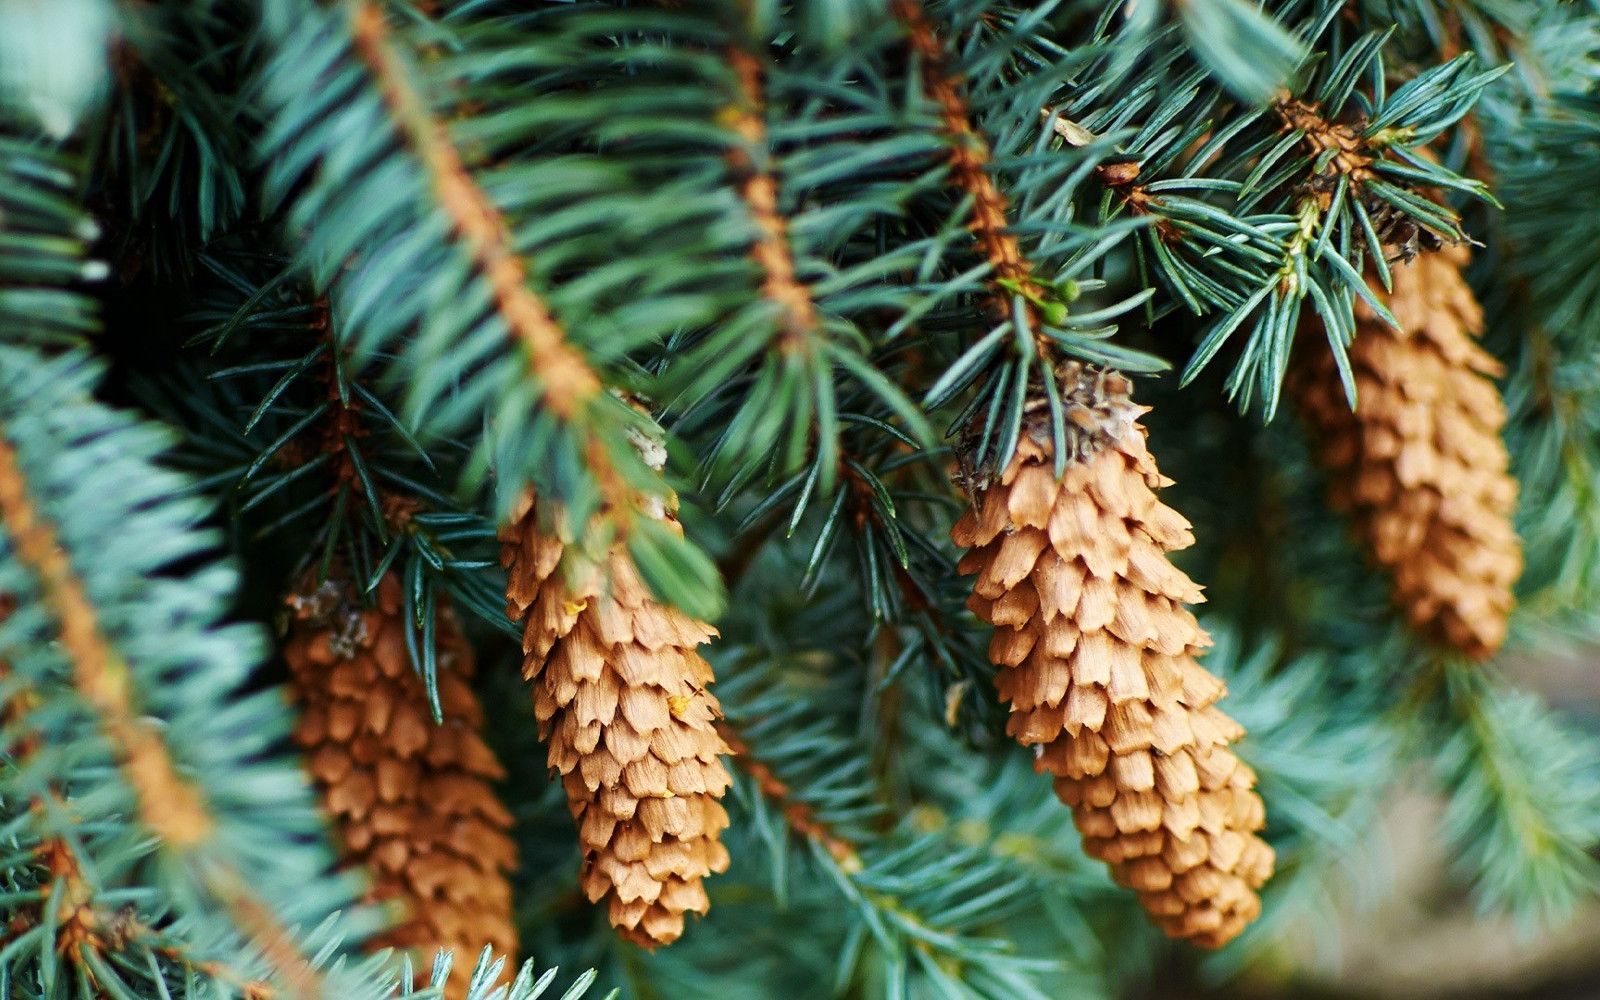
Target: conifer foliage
(698, 443)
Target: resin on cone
(622, 697)
(412, 801)
(1419, 465)
(1096, 655)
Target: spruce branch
(1037, 325)
(567, 384)
(795, 370)
(533, 378)
(168, 804)
(85, 928)
(175, 169)
(104, 940)
(313, 454)
(1262, 216)
(1543, 134)
(931, 894)
(1524, 807)
(825, 174)
(66, 565)
(1552, 400)
(74, 920)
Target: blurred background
(1408, 930)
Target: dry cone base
(622, 697)
(1097, 659)
(1419, 465)
(412, 801)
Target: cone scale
(412, 801)
(1419, 465)
(1097, 660)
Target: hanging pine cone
(1097, 659)
(622, 697)
(1419, 464)
(412, 801)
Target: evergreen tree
(531, 481)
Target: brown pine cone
(412, 802)
(1419, 464)
(622, 697)
(1097, 659)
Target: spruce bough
(488, 486)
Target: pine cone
(621, 696)
(1097, 659)
(412, 801)
(1419, 465)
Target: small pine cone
(1097, 660)
(621, 695)
(1419, 464)
(412, 802)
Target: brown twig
(75, 919)
(969, 154)
(344, 423)
(800, 816)
(759, 190)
